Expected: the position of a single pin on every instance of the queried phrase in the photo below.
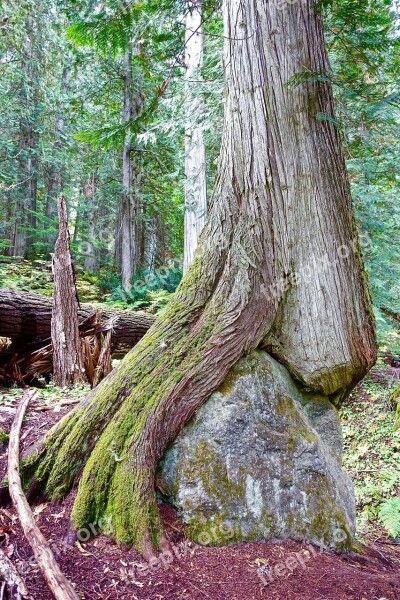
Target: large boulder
(261, 459)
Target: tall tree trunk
(128, 225)
(54, 169)
(91, 259)
(27, 189)
(140, 219)
(195, 154)
(155, 244)
(278, 266)
(127, 207)
(68, 365)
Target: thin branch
(59, 585)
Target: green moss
(114, 482)
(4, 437)
(358, 548)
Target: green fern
(389, 514)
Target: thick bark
(155, 244)
(195, 154)
(68, 364)
(281, 200)
(26, 319)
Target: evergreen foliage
(41, 40)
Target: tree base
(261, 460)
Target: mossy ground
(4, 437)
(35, 276)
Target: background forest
(63, 84)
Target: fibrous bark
(68, 365)
(25, 318)
(278, 267)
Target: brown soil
(283, 571)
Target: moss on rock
(261, 460)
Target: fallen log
(25, 318)
(58, 584)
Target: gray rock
(261, 459)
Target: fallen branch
(390, 313)
(59, 585)
(13, 584)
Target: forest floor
(292, 571)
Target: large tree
(278, 266)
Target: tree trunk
(68, 364)
(27, 189)
(127, 207)
(54, 169)
(26, 318)
(195, 154)
(155, 244)
(128, 227)
(278, 266)
(91, 259)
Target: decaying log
(104, 363)
(37, 364)
(25, 318)
(59, 585)
(13, 583)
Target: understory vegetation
(372, 451)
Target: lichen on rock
(261, 459)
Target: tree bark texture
(68, 364)
(195, 153)
(25, 318)
(281, 202)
